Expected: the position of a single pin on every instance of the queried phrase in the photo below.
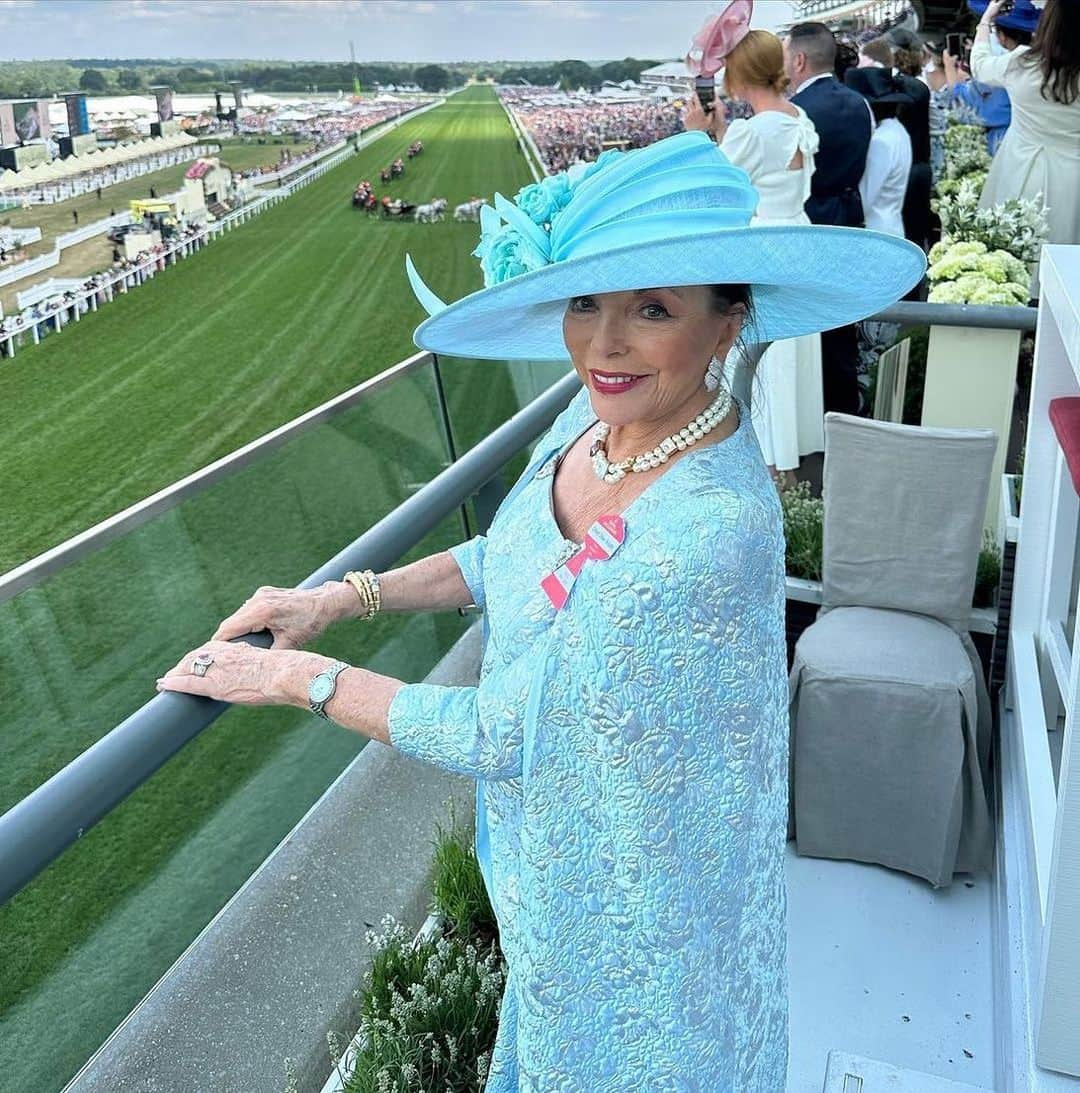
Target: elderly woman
(629, 731)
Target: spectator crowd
(568, 128)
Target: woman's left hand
(991, 12)
(240, 673)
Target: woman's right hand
(294, 616)
(695, 116)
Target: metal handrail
(912, 313)
(34, 832)
(79, 546)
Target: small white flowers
(429, 1015)
(804, 518)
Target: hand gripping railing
(41, 826)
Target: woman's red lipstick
(613, 383)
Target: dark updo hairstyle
(727, 296)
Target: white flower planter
(336, 1082)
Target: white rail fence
(68, 239)
(15, 332)
(526, 143)
(292, 168)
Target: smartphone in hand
(705, 86)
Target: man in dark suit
(844, 124)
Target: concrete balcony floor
(883, 966)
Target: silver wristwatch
(322, 687)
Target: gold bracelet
(366, 584)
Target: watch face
(321, 689)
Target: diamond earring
(713, 373)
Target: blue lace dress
(631, 756)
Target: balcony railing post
(448, 434)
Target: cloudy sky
(383, 30)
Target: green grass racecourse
(290, 309)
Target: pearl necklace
(704, 423)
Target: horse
(468, 210)
(384, 174)
(432, 211)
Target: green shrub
(988, 571)
(459, 895)
(803, 526)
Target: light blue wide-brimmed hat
(675, 213)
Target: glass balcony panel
(509, 386)
(84, 942)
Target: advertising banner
(77, 117)
(7, 125)
(163, 95)
(27, 120)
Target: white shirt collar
(807, 82)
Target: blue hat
(1023, 16)
(675, 213)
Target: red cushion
(1065, 417)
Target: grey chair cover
(890, 718)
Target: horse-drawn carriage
(397, 209)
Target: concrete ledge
(276, 968)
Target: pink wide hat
(718, 37)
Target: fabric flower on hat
(542, 200)
(514, 235)
(504, 250)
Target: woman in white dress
(1041, 151)
(776, 148)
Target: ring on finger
(201, 663)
